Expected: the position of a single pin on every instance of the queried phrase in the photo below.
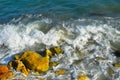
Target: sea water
(78, 26)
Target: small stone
(5, 73)
(18, 66)
(83, 77)
(110, 71)
(60, 72)
(17, 57)
(48, 52)
(54, 63)
(117, 65)
(56, 50)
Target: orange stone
(3, 69)
(5, 73)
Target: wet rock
(17, 57)
(35, 61)
(56, 50)
(54, 64)
(5, 73)
(18, 66)
(60, 72)
(83, 77)
(48, 52)
(117, 65)
(110, 71)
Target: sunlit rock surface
(83, 77)
(30, 60)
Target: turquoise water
(91, 27)
(62, 9)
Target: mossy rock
(35, 61)
(56, 50)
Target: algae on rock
(35, 61)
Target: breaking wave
(91, 37)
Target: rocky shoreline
(40, 62)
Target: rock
(3, 69)
(17, 57)
(54, 64)
(35, 61)
(48, 52)
(110, 71)
(18, 66)
(117, 65)
(83, 77)
(60, 72)
(5, 73)
(56, 50)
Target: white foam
(91, 40)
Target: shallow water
(90, 27)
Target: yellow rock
(83, 77)
(48, 52)
(35, 61)
(56, 50)
(54, 63)
(117, 65)
(17, 57)
(60, 72)
(110, 71)
(18, 66)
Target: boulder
(35, 61)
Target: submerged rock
(54, 64)
(5, 73)
(60, 72)
(56, 50)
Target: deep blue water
(61, 9)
